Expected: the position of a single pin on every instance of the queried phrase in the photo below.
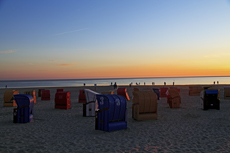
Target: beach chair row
(110, 111)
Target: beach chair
(111, 113)
(62, 100)
(157, 91)
(144, 105)
(24, 111)
(195, 90)
(174, 98)
(45, 95)
(89, 106)
(123, 92)
(81, 97)
(210, 99)
(136, 89)
(40, 92)
(163, 92)
(60, 90)
(227, 92)
(32, 93)
(175, 88)
(9, 98)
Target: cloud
(71, 31)
(7, 51)
(67, 64)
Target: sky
(81, 39)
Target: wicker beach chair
(174, 98)
(123, 92)
(144, 105)
(210, 99)
(62, 100)
(111, 113)
(24, 111)
(89, 106)
(227, 92)
(9, 98)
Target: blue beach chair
(24, 111)
(157, 91)
(112, 113)
(210, 99)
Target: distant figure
(115, 85)
(111, 83)
(217, 82)
(173, 83)
(153, 83)
(130, 84)
(95, 85)
(214, 82)
(139, 83)
(6, 86)
(144, 83)
(136, 83)
(84, 84)
(164, 83)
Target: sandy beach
(186, 129)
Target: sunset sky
(73, 39)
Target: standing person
(115, 85)
(6, 86)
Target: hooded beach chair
(174, 98)
(24, 111)
(9, 98)
(210, 99)
(62, 99)
(123, 92)
(111, 113)
(157, 91)
(163, 92)
(45, 95)
(81, 97)
(227, 92)
(195, 90)
(89, 106)
(144, 105)
(32, 93)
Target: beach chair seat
(32, 93)
(174, 98)
(45, 94)
(195, 90)
(24, 111)
(81, 97)
(123, 92)
(107, 92)
(163, 92)
(9, 98)
(157, 91)
(209, 99)
(226, 92)
(111, 113)
(62, 100)
(144, 105)
(89, 106)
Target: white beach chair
(89, 106)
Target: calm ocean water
(119, 81)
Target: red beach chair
(123, 92)
(45, 95)
(81, 98)
(62, 100)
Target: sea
(119, 81)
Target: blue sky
(86, 34)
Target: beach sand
(186, 129)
